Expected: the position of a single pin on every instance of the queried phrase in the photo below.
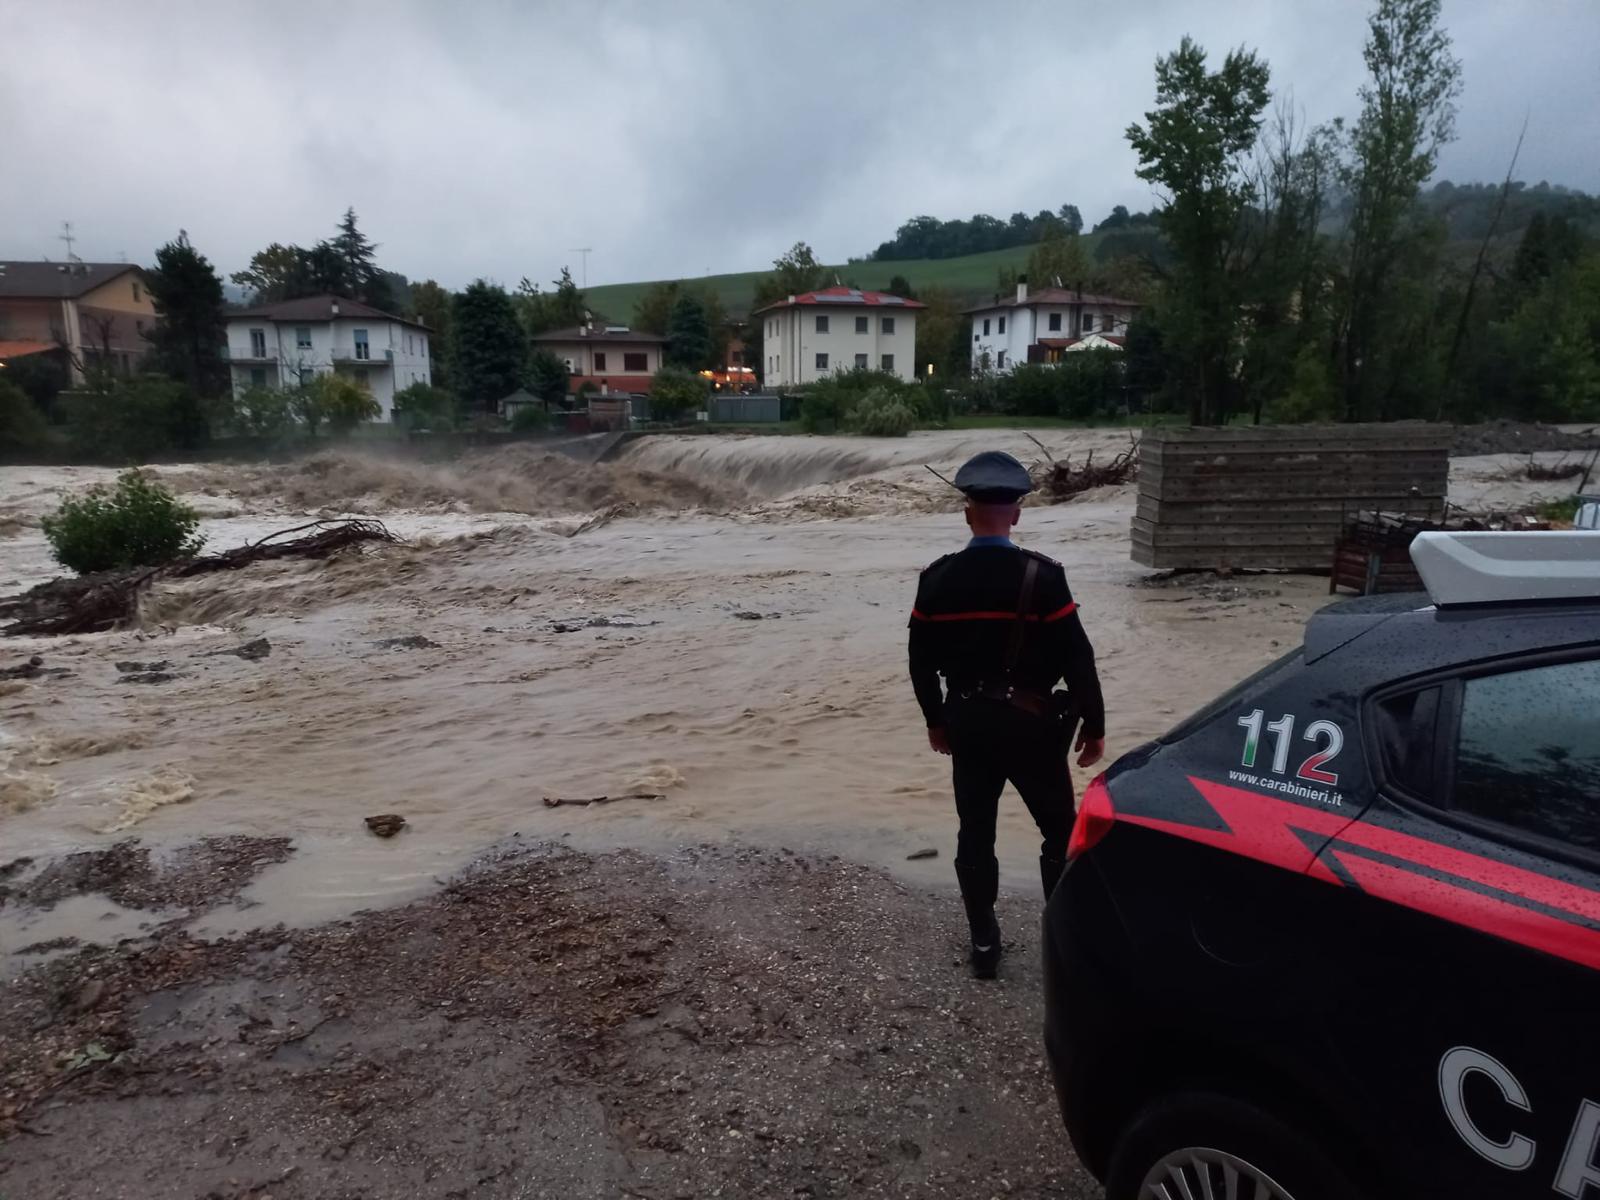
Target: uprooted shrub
(137, 523)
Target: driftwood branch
(1540, 473)
(90, 603)
(938, 476)
(584, 802)
(1060, 481)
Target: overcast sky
(489, 138)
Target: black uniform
(1002, 725)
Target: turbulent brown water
(517, 479)
(570, 658)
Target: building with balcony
(815, 334)
(281, 345)
(1041, 326)
(84, 314)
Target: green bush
(22, 425)
(529, 418)
(134, 419)
(824, 410)
(1312, 395)
(676, 391)
(1563, 512)
(880, 413)
(138, 523)
(262, 412)
(336, 399)
(423, 406)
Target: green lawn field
(973, 277)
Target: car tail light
(1095, 818)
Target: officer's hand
(1090, 750)
(939, 740)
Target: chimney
(336, 308)
(1022, 289)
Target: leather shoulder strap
(1024, 607)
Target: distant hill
(1467, 209)
(972, 276)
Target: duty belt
(1036, 703)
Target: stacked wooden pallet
(1278, 497)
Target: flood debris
(412, 641)
(1058, 480)
(386, 825)
(575, 624)
(139, 668)
(1538, 472)
(33, 668)
(925, 852)
(251, 651)
(91, 603)
(583, 802)
(147, 677)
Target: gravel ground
(716, 1023)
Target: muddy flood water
(717, 621)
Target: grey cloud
(491, 138)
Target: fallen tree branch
(559, 801)
(1540, 473)
(91, 603)
(1060, 481)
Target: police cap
(993, 477)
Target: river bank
(551, 1023)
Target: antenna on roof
(66, 236)
(585, 251)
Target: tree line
(1310, 276)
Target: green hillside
(972, 276)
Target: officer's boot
(1050, 873)
(979, 887)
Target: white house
(805, 337)
(1041, 326)
(280, 345)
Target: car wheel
(1198, 1145)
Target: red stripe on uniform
(971, 616)
(1065, 610)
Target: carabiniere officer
(999, 624)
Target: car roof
(1400, 637)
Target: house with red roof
(1041, 326)
(807, 337)
(610, 358)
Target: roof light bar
(1459, 567)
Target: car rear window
(1407, 729)
(1233, 696)
(1528, 754)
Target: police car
(1337, 936)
